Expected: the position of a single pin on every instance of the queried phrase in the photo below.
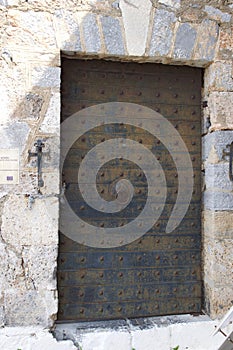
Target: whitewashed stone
(51, 183)
(47, 342)
(193, 333)
(14, 273)
(14, 135)
(30, 307)
(39, 263)
(143, 340)
(51, 152)
(48, 77)
(31, 338)
(31, 28)
(136, 17)
(3, 279)
(13, 88)
(9, 2)
(195, 336)
(106, 340)
(23, 226)
(51, 122)
(68, 32)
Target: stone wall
(33, 35)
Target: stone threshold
(166, 332)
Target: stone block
(76, 331)
(52, 58)
(205, 122)
(91, 33)
(28, 183)
(184, 42)
(217, 14)
(39, 264)
(13, 89)
(31, 106)
(4, 267)
(218, 224)
(2, 316)
(51, 158)
(162, 33)
(206, 44)
(146, 339)
(174, 4)
(24, 226)
(105, 340)
(48, 342)
(68, 32)
(14, 273)
(112, 35)
(3, 2)
(195, 336)
(216, 142)
(218, 300)
(218, 77)
(31, 338)
(46, 77)
(217, 177)
(10, 2)
(225, 44)
(220, 110)
(14, 135)
(116, 4)
(31, 28)
(218, 263)
(136, 19)
(51, 183)
(30, 307)
(218, 200)
(51, 121)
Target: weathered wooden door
(158, 273)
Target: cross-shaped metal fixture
(39, 146)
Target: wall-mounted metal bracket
(230, 155)
(39, 146)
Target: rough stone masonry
(34, 34)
